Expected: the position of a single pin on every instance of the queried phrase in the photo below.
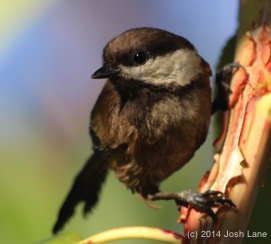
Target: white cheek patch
(181, 67)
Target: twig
(136, 232)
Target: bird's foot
(223, 86)
(201, 202)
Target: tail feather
(86, 188)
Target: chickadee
(150, 118)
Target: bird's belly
(144, 165)
(161, 143)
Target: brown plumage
(151, 137)
(151, 116)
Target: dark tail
(86, 188)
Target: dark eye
(140, 58)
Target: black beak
(104, 72)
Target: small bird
(150, 118)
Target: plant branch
(239, 169)
(136, 232)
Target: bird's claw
(223, 86)
(203, 202)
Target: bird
(150, 118)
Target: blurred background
(48, 51)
